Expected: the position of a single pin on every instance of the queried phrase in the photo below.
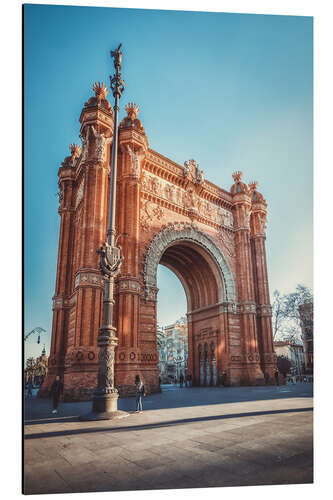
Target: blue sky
(233, 91)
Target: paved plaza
(185, 438)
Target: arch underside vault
(196, 260)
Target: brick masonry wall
(156, 199)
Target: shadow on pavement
(38, 411)
(161, 424)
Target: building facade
(36, 369)
(294, 352)
(212, 238)
(173, 352)
(306, 316)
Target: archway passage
(201, 280)
(208, 283)
(198, 272)
(195, 269)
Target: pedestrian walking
(276, 375)
(181, 380)
(140, 391)
(266, 377)
(190, 379)
(224, 379)
(57, 389)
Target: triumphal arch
(213, 239)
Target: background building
(294, 352)
(306, 315)
(162, 354)
(36, 369)
(173, 350)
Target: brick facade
(213, 240)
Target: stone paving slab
(243, 440)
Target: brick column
(133, 355)
(251, 371)
(264, 312)
(66, 176)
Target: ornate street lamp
(105, 397)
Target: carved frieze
(247, 308)
(88, 279)
(185, 198)
(57, 303)
(130, 285)
(150, 212)
(264, 310)
(227, 239)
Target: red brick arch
(212, 238)
(201, 252)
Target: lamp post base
(105, 407)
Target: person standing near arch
(56, 390)
(140, 391)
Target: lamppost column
(105, 397)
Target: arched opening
(172, 331)
(202, 269)
(181, 314)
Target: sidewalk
(185, 438)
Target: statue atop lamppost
(105, 396)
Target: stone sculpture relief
(186, 198)
(101, 144)
(85, 144)
(135, 161)
(227, 239)
(193, 172)
(75, 152)
(149, 212)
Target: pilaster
(246, 293)
(260, 279)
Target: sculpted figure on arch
(101, 144)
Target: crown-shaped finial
(253, 185)
(75, 150)
(237, 176)
(132, 110)
(101, 90)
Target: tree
(30, 368)
(283, 364)
(294, 300)
(278, 313)
(285, 313)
